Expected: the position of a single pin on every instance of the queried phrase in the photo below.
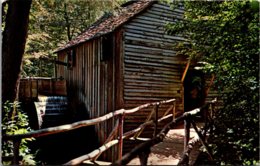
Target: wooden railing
(112, 138)
(143, 150)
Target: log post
(186, 154)
(143, 156)
(211, 117)
(202, 140)
(16, 145)
(186, 132)
(120, 133)
(206, 120)
(30, 85)
(156, 120)
(173, 110)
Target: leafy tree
(14, 39)
(225, 34)
(52, 24)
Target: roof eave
(114, 29)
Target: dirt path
(169, 151)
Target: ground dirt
(169, 151)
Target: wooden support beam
(84, 123)
(186, 154)
(173, 111)
(129, 133)
(168, 110)
(16, 146)
(159, 138)
(120, 136)
(61, 63)
(186, 133)
(113, 132)
(185, 71)
(147, 120)
(156, 120)
(142, 147)
(92, 154)
(202, 140)
(143, 156)
(128, 157)
(109, 138)
(63, 128)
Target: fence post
(202, 140)
(120, 133)
(206, 114)
(16, 145)
(187, 132)
(156, 120)
(211, 116)
(143, 156)
(173, 111)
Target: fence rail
(117, 135)
(120, 114)
(143, 149)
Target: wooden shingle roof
(109, 22)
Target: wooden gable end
(152, 70)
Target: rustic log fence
(117, 135)
(112, 138)
(143, 150)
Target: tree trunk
(14, 39)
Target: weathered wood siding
(135, 64)
(91, 81)
(30, 88)
(152, 70)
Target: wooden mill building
(124, 60)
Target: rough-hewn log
(159, 138)
(186, 133)
(91, 155)
(106, 146)
(185, 157)
(120, 136)
(129, 133)
(143, 156)
(139, 149)
(109, 138)
(202, 140)
(142, 147)
(147, 120)
(16, 144)
(84, 123)
(155, 120)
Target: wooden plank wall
(142, 67)
(152, 70)
(30, 88)
(91, 82)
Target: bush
(15, 121)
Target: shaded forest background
(223, 34)
(52, 23)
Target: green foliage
(225, 34)
(14, 121)
(52, 24)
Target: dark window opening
(71, 58)
(194, 90)
(107, 47)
